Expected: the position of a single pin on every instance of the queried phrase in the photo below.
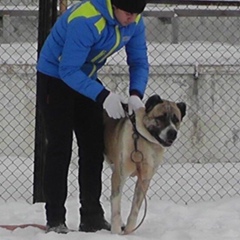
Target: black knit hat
(131, 6)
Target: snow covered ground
(218, 220)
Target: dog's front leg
(139, 194)
(117, 185)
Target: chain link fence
(194, 57)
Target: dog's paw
(129, 229)
(116, 230)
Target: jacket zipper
(115, 46)
(102, 55)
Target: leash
(137, 158)
(13, 227)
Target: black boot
(93, 224)
(60, 228)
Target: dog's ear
(182, 106)
(152, 102)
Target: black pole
(47, 16)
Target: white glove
(113, 106)
(134, 103)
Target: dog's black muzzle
(170, 138)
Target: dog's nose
(171, 135)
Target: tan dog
(156, 127)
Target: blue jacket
(82, 39)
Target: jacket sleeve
(136, 50)
(79, 40)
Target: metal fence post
(47, 17)
(175, 29)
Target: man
(71, 98)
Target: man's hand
(134, 103)
(113, 105)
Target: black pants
(65, 111)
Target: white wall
(210, 132)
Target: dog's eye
(175, 120)
(161, 118)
